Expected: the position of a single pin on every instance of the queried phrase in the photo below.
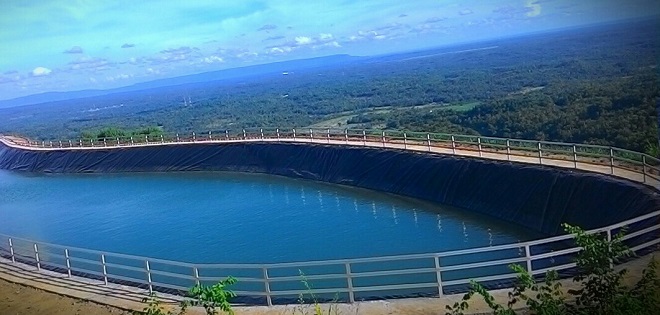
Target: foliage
(653, 149)
(154, 308)
(601, 288)
(318, 310)
(114, 132)
(213, 298)
(600, 285)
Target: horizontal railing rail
(623, 163)
(428, 274)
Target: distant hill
(276, 68)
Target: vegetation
(213, 298)
(596, 85)
(154, 308)
(601, 290)
(317, 308)
(114, 132)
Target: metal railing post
(346, 135)
(60, 143)
(294, 134)
(162, 139)
(528, 256)
(226, 134)
(278, 133)
(105, 143)
(540, 154)
(364, 137)
(196, 274)
(311, 135)
(80, 143)
(148, 268)
(177, 137)
(611, 161)
(438, 276)
(479, 145)
(36, 256)
(508, 150)
(118, 144)
(193, 136)
(644, 168)
(383, 139)
(146, 139)
(68, 262)
(349, 282)
(269, 299)
(51, 143)
(132, 140)
(11, 251)
(405, 141)
(105, 270)
(328, 135)
(574, 156)
(453, 145)
(210, 137)
(70, 144)
(262, 133)
(428, 141)
(244, 135)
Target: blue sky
(63, 45)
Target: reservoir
(220, 217)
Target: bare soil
(16, 299)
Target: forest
(594, 85)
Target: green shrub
(212, 298)
(601, 288)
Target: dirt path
(16, 299)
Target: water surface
(233, 217)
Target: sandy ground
(16, 299)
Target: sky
(67, 45)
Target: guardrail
(432, 274)
(623, 163)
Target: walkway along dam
(534, 184)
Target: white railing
(431, 274)
(622, 163)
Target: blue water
(233, 218)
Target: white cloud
(280, 50)
(303, 40)
(89, 63)
(41, 71)
(176, 55)
(323, 40)
(465, 12)
(121, 76)
(153, 71)
(535, 8)
(212, 59)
